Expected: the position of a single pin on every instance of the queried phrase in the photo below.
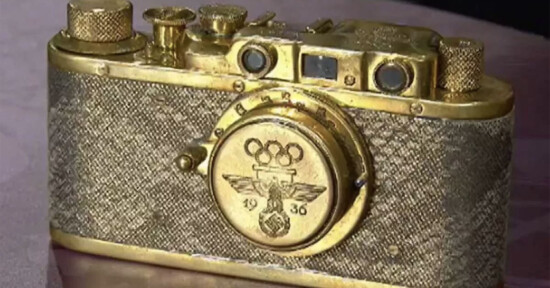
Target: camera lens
(392, 77)
(254, 60)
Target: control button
(168, 24)
(100, 20)
(222, 19)
(392, 77)
(460, 64)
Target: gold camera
(356, 154)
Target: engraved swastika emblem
(274, 180)
(273, 184)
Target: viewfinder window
(315, 66)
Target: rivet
(238, 86)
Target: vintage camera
(356, 154)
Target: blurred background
(528, 15)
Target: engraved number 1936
(300, 210)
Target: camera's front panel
(356, 154)
(113, 178)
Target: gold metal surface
(460, 64)
(168, 24)
(402, 67)
(287, 168)
(295, 192)
(494, 98)
(281, 193)
(210, 56)
(99, 20)
(209, 264)
(222, 19)
(64, 41)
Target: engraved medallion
(274, 184)
(279, 172)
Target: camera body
(359, 154)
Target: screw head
(238, 86)
(102, 69)
(416, 108)
(349, 80)
(218, 132)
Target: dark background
(526, 15)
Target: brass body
(287, 168)
(100, 21)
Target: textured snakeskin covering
(441, 186)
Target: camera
(350, 154)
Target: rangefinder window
(316, 66)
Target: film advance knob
(100, 20)
(460, 64)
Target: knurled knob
(222, 19)
(460, 64)
(100, 20)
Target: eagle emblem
(274, 180)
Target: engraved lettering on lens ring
(300, 106)
(276, 183)
(240, 109)
(266, 99)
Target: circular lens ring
(403, 68)
(269, 62)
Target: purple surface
(26, 26)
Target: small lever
(263, 19)
(320, 26)
(191, 158)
